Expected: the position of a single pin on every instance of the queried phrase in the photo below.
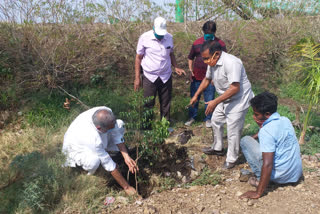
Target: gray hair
(103, 118)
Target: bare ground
(303, 197)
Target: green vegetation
(77, 51)
(207, 177)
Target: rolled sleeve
(267, 142)
(106, 161)
(140, 46)
(209, 72)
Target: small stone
(122, 200)
(305, 157)
(167, 174)
(139, 203)
(215, 212)
(19, 113)
(299, 186)
(245, 199)
(184, 179)
(193, 174)
(313, 158)
(238, 193)
(149, 210)
(223, 192)
(250, 203)
(179, 174)
(281, 189)
(178, 161)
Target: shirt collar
(274, 116)
(220, 61)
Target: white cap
(160, 26)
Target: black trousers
(164, 91)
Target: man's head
(160, 27)
(263, 105)
(104, 120)
(209, 30)
(211, 52)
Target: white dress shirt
(82, 136)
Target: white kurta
(85, 146)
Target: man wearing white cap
(154, 59)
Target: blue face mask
(208, 37)
(157, 36)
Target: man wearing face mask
(198, 71)
(230, 107)
(276, 157)
(90, 136)
(154, 58)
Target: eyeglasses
(206, 60)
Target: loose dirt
(303, 197)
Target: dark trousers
(164, 91)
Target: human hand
(180, 71)
(133, 168)
(211, 107)
(130, 191)
(191, 75)
(250, 195)
(137, 83)
(193, 100)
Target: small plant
(307, 54)
(207, 177)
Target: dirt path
(223, 198)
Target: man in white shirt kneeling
(90, 136)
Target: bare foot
(253, 181)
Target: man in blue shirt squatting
(276, 157)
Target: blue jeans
(208, 96)
(251, 150)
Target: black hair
(212, 45)
(265, 102)
(209, 27)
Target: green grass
(207, 177)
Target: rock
(198, 163)
(238, 193)
(150, 210)
(184, 136)
(313, 158)
(179, 174)
(178, 161)
(20, 113)
(215, 211)
(167, 174)
(305, 157)
(193, 174)
(139, 203)
(250, 203)
(122, 200)
(184, 179)
(223, 192)
(281, 189)
(245, 199)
